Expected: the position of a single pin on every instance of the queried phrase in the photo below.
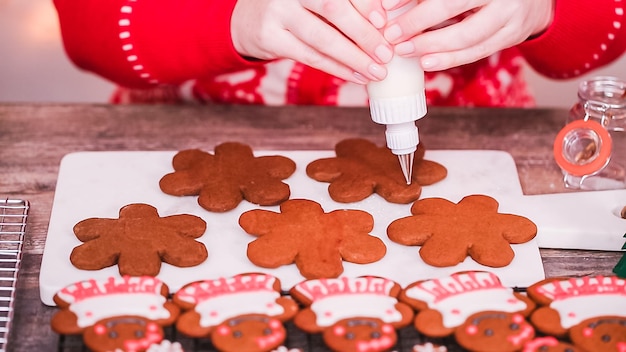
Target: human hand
(429, 31)
(340, 37)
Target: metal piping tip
(406, 164)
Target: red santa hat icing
(577, 299)
(341, 298)
(93, 300)
(221, 299)
(460, 295)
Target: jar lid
(582, 148)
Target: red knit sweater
(187, 43)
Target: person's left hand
(429, 31)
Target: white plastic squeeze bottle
(398, 101)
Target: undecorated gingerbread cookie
(240, 313)
(138, 241)
(316, 241)
(223, 179)
(116, 314)
(474, 298)
(448, 232)
(361, 168)
(353, 314)
(590, 310)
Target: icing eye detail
(488, 332)
(375, 335)
(139, 334)
(350, 336)
(267, 331)
(514, 326)
(606, 338)
(237, 334)
(113, 334)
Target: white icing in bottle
(398, 101)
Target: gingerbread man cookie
(445, 304)
(138, 241)
(353, 314)
(118, 313)
(223, 179)
(240, 313)
(361, 169)
(450, 232)
(317, 242)
(590, 310)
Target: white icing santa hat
(341, 298)
(93, 300)
(577, 299)
(221, 299)
(460, 295)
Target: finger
(303, 53)
(328, 41)
(349, 21)
(450, 59)
(469, 32)
(373, 11)
(427, 14)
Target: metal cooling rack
(13, 214)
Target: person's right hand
(335, 36)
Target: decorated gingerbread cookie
(353, 314)
(316, 241)
(119, 313)
(467, 304)
(138, 241)
(361, 168)
(241, 313)
(590, 310)
(231, 174)
(448, 233)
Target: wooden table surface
(34, 138)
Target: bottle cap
(400, 109)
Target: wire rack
(13, 214)
(297, 341)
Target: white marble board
(98, 184)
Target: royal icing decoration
(221, 299)
(340, 298)
(94, 300)
(577, 299)
(450, 296)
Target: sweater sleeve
(584, 35)
(140, 43)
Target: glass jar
(591, 148)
